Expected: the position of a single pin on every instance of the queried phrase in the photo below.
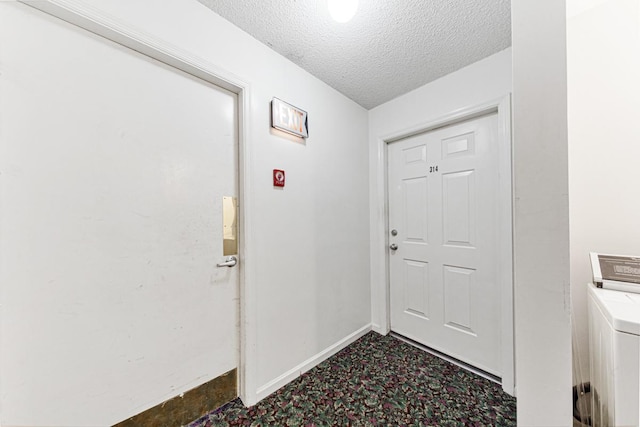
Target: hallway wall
(603, 54)
(307, 251)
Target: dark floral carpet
(377, 381)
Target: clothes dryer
(614, 335)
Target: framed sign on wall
(290, 119)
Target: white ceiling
(389, 48)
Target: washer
(614, 346)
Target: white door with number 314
(443, 225)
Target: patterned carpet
(377, 381)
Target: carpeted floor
(377, 381)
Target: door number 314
(433, 169)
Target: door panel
(459, 213)
(416, 293)
(416, 194)
(443, 275)
(458, 284)
(459, 145)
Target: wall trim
(380, 296)
(78, 13)
(313, 361)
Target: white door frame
(379, 232)
(109, 27)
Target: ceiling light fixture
(342, 10)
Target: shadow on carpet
(377, 381)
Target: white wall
(541, 240)
(308, 251)
(603, 60)
(478, 83)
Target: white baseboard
(379, 329)
(313, 361)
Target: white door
(443, 220)
(111, 226)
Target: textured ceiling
(389, 48)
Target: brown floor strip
(195, 403)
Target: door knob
(393, 247)
(230, 262)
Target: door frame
(380, 223)
(109, 27)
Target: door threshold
(448, 358)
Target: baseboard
(188, 406)
(294, 373)
(379, 329)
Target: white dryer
(614, 346)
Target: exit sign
(288, 118)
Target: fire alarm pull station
(278, 178)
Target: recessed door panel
(458, 202)
(458, 285)
(458, 145)
(415, 202)
(416, 291)
(415, 154)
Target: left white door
(114, 167)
